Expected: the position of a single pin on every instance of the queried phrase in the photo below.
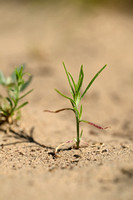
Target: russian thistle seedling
(14, 85)
(75, 89)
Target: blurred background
(83, 31)
(42, 34)
(55, 30)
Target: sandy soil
(42, 37)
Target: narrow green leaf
(93, 124)
(13, 75)
(80, 80)
(65, 96)
(76, 110)
(14, 101)
(93, 80)
(20, 82)
(68, 78)
(22, 105)
(25, 84)
(80, 114)
(21, 71)
(12, 89)
(17, 74)
(26, 73)
(4, 112)
(74, 84)
(81, 135)
(10, 102)
(26, 94)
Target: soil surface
(42, 36)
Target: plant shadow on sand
(23, 137)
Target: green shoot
(75, 89)
(14, 85)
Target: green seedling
(14, 85)
(77, 96)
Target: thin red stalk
(56, 111)
(92, 124)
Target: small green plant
(75, 101)
(14, 85)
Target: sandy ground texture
(42, 37)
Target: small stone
(124, 146)
(76, 156)
(104, 150)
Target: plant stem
(77, 125)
